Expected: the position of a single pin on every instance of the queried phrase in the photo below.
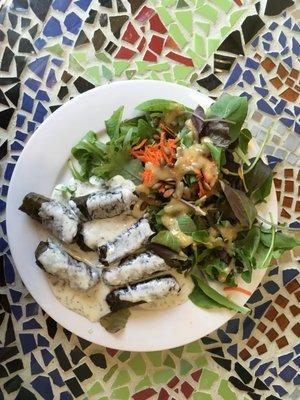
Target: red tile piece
(156, 44)
(163, 394)
(144, 394)
(296, 329)
(111, 352)
(196, 375)
(130, 35)
(156, 24)
(141, 44)
(171, 44)
(181, 59)
(145, 14)
(143, 29)
(238, 2)
(173, 382)
(124, 53)
(187, 390)
(149, 56)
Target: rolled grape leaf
(32, 203)
(115, 321)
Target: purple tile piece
(28, 342)
(268, 36)
(285, 358)
(248, 326)
(9, 171)
(30, 126)
(233, 326)
(290, 112)
(288, 61)
(17, 311)
(234, 76)
(296, 360)
(250, 63)
(4, 190)
(224, 338)
(247, 95)
(83, 4)
(67, 41)
(261, 309)
(286, 121)
(35, 367)
(232, 350)
(273, 26)
(273, 271)
(264, 106)
(296, 380)
(271, 287)
(280, 106)
(33, 84)
(262, 80)
(42, 95)
(282, 39)
(255, 42)
(73, 23)
(40, 43)
(57, 61)
(273, 54)
(262, 91)
(52, 28)
(42, 385)
(295, 47)
(38, 66)
(51, 79)
(20, 120)
(269, 380)
(40, 113)
(61, 5)
(241, 84)
(248, 77)
(2, 205)
(27, 103)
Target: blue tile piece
(288, 61)
(83, 4)
(40, 113)
(20, 120)
(253, 363)
(289, 112)
(273, 26)
(266, 46)
(52, 28)
(296, 28)
(27, 103)
(280, 106)
(262, 91)
(273, 271)
(42, 385)
(39, 65)
(249, 77)
(42, 341)
(56, 378)
(285, 51)
(2, 205)
(297, 348)
(61, 5)
(31, 324)
(32, 309)
(224, 338)
(296, 380)
(51, 79)
(268, 36)
(9, 271)
(40, 43)
(296, 110)
(66, 396)
(279, 390)
(15, 146)
(15, 295)
(262, 80)
(250, 63)
(288, 275)
(67, 41)
(57, 61)
(21, 136)
(297, 128)
(248, 326)
(288, 23)
(262, 368)
(9, 171)
(255, 42)
(264, 106)
(3, 243)
(35, 366)
(33, 84)
(232, 350)
(47, 356)
(4, 190)
(30, 126)
(295, 47)
(42, 95)
(17, 311)
(241, 84)
(269, 380)
(73, 23)
(28, 342)
(15, 158)
(273, 371)
(255, 297)
(285, 358)
(271, 287)
(234, 76)
(247, 95)
(282, 39)
(233, 325)
(273, 54)
(261, 309)
(287, 122)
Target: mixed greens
(197, 186)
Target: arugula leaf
(186, 224)
(241, 205)
(259, 181)
(244, 139)
(200, 299)
(161, 105)
(218, 155)
(115, 321)
(281, 242)
(201, 236)
(114, 122)
(167, 239)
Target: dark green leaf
(259, 181)
(113, 123)
(244, 139)
(249, 244)
(200, 299)
(167, 239)
(160, 105)
(282, 241)
(218, 154)
(186, 224)
(115, 321)
(214, 268)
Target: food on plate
(173, 190)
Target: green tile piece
(80, 56)
(120, 67)
(201, 362)
(124, 356)
(142, 66)
(106, 73)
(197, 60)
(165, 16)
(104, 398)
(167, 77)
(224, 30)
(74, 64)
(212, 45)
(103, 57)
(168, 3)
(202, 396)
(163, 375)
(181, 4)
(200, 45)
(204, 26)
(110, 373)
(181, 71)
(160, 67)
(225, 5)
(130, 73)
(137, 364)
(145, 382)
(95, 389)
(225, 392)
(93, 74)
(121, 394)
(177, 351)
(177, 35)
(194, 347)
(155, 76)
(185, 367)
(235, 16)
(183, 83)
(55, 49)
(121, 379)
(185, 18)
(208, 12)
(207, 379)
(199, 3)
(169, 362)
(155, 357)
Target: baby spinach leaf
(115, 321)
(259, 181)
(218, 132)
(241, 205)
(201, 236)
(200, 299)
(114, 122)
(186, 224)
(167, 239)
(218, 155)
(281, 242)
(160, 105)
(244, 139)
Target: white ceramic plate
(41, 165)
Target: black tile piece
(7, 58)
(208, 340)
(120, 6)
(222, 63)
(116, 24)
(3, 152)
(98, 39)
(82, 372)
(3, 372)
(25, 46)
(254, 396)
(257, 7)
(239, 384)
(12, 37)
(67, 333)
(51, 327)
(74, 387)
(225, 363)
(76, 355)
(33, 31)
(40, 8)
(111, 48)
(210, 82)
(103, 20)
(84, 343)
(2, 36)
(92, 16)
(135, 5)
(245, 376)
(13, 20)
(3, 99)
(62, 358)
(8, 81)
(55, 107)
(13, 94)
(105, 3)
(81, 39)
(272, 397)
(99, 360)
(20, 64)
(25, 394)
(275, 7)
(25, 22)
(13, 384)
(217, 351)
(7, 352)
(2, 316)
(251, 26)
(14, 365)
(260, 385)
(5, 117)
(19, 5)
(232, 44)
(10, 336)
(5, 303)
(66, 76)
(83, 85)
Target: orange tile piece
(277, 183)
(261, 327)
(298, 176)
(261, 349)
(297, 87)
(287, 201)
(281, 301)
(289, 95)
(282, 71)
(297, 207)
(282, 342)
(289, 186)
(295, 310)
(285, 214)
(289, 82)
(296, 329)
(282, 321)
(276, 82)
(272, 335)
(244, 354)
(271, 314)
(294, 73)
(268, 64)
(288, 173)
(257, 56)
(252, 342)
(292, 286)
(297, 294)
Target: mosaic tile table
(51, 50)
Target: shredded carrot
(237, 289)
(166, 128)
(147, 176)
(141, 144)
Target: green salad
(197, 186)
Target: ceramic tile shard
(116, 24)
(222, 63)
(251, 26)
(40, 8)
(81, 39)
(7, 58)
(275, 7)
(232, 44)
(210, 83)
